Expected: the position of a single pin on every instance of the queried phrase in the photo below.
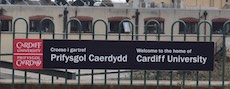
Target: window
(86, 23)
(152, 27)
(126, 26)
(34, 23)
(114, 25)
(218, 25)
(191, 28)
(191, 24)
(6, 22)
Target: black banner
(147, 55)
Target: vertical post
(66, 37)
(40, 37)
(25, 82)
(66, 32)
(12, 87)
(65, 17)
(79, 70)
(172, 27)
(183, 76)
(25, 74)
(106, 34)
(92, 79)
(118, 72)
(53, 37)
(14, 32)
(198, 39)
(119, 38)
(145, 74)
(225, 30)
(158, 38)
(66, 75)
(0, 42)
(137, 14)
(131, 74)
(205, 17)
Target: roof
(82, 18)
(220, 19)
(5, 17)
(189, 19)
(159, 19)
(117, 18)
(39, 17)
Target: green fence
(134, 75)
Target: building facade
(217, 4)
(112, 17)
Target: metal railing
(157, 74)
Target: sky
(115, 1)
(119, 1)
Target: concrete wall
(112, 84)
(170, 15)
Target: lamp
(205, 15)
